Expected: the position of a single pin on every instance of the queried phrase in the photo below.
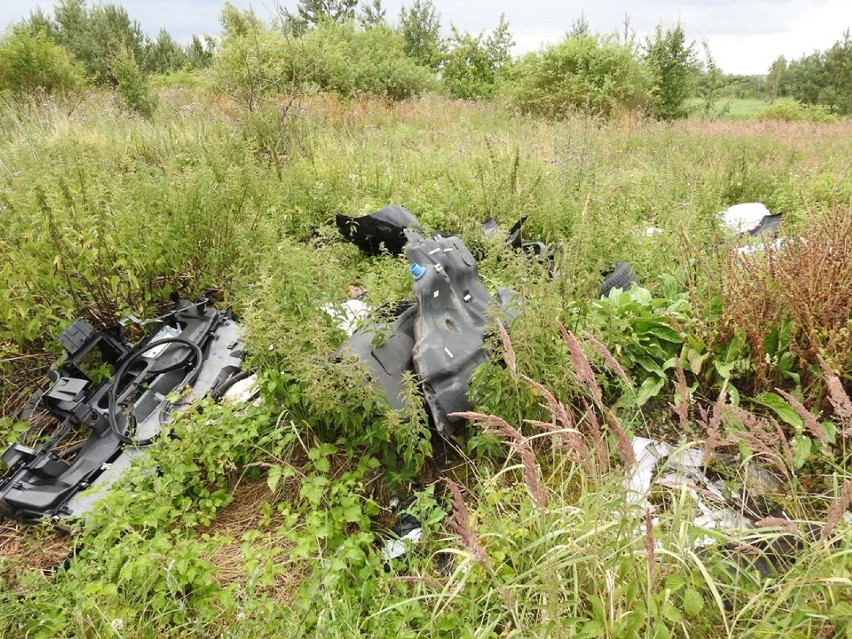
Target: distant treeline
(349, 47)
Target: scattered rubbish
(384, 228)
(348, 315)
(752, 218)
(659, 464)
(194, 351)
(406, 532)
(620, 277)
(751, 249)
(516, 241)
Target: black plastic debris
(385, 227)
(449, 329)
(406, 532)
(515, 238)
(770, 224)
(195, 351)
(390, 360)
(440, 336)
(621, 277)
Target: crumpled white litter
(243, 391)
(682, 468)
(395, 548)
(348, 315)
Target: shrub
(790, 110)
(331, 57)
(131, 84)
(796, 293)
(587, 73)
(32, 62)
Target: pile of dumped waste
(195, 350)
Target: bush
(790, 110)
(588, 73)
(32, 62)
(331, 57)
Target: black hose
(113, 391)
(219, 393)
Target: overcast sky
(745, 36)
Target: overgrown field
(268, 521)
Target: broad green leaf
(801, 450)
(696, 360)
(780, 407)
(650, 388)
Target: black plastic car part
(195, 351)
(440, 336)
(391, 359)
(384, 228)
(452, 313)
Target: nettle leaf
(780, 407)
(275, 474)
(693, 602)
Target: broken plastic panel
(392, 358)
(196, 351)
(452, 313)
(384, 228)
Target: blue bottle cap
(417, 271)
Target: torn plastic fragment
(385, 228)
(406, 533)
(659, 464)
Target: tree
(372, 14)
(674, 66)
(312, 12)
(164, 54)
(420, 26)
(30, 63)
(776, 77)
(823, 77)
(474, 64)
